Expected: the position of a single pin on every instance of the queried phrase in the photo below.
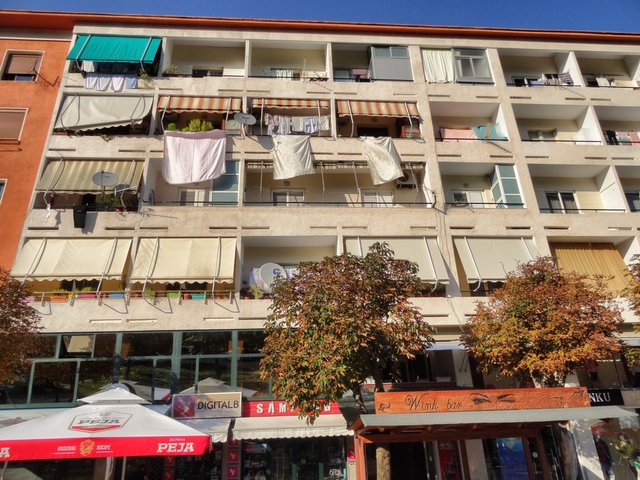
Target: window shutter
(11, 124)
(23, 64)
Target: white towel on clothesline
(383, 159)
(193, 157)
(291, 156)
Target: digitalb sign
(207, 405)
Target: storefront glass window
(505, 458)
(53, 382)
(146, 344)
(249, 378)
(94, 376)
(206, 343)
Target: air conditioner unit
(406, 181)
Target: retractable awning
(112, 48)
(71, 176)
(89, 112)
(217, 428)
(490, 259)
(289, 103)
(250, 428)
(72, 259)
(543, 416)
(184, 260)
(347, 108)
(179, 104)
(423, 251)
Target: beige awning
(184, 260)
(181, 104)
(289, 103)
(423, 250)
(76, 175)
(377, 109)
(72, 259)
(490, 259)
(88, 112)
(218, 428)
(249, 428)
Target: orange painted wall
(19, 161)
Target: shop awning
(250, 428)
(180, 104)
(538, 416)
(348, 108)
(112, 48)
(89, 112)
(72, 259)
(289, 103)
(97, 431)
(217, 428)
(184, 260)
(423, 251)
(71, 176)
(490, 259)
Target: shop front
(272, 443)
(478, 434)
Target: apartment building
(467, 150)
(32, 68)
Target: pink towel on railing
(453, 134)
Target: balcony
(576, 189)
(620, 126)
(538, 68)
(199, 58)
(289, 61)
(608, 70)
(630, 180)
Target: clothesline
(287, 125)
(104, 81)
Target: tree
(339, 322)
(632, 293)
(543, 324)
(18, 326)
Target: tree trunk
(357, 397)
(383, 461)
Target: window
(504, 187)
(224, 190)
(11, 122)
(192, 196)
(394, 52)
(633, 199)
(467, 198)
(288, 197)
(390, 63)
(22, 67)
(526, 81)
(561, 202)
(541, 135)
(471, 66)
(377, 198)
(3, 184)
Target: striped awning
(377, 109)
(289, 103)
(180, 104)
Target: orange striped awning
(289, 103)
(181, 104)
(377, 109)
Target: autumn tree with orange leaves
(339, 322)
(543, 324)
(18, 326)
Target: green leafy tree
(18, 327)
(544, 324)
(339, 322)
(632, 293)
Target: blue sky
(608, 15)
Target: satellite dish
(121, 188)
(104, 179)
(244, 118)
(268, 272)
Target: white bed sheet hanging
(193, 157)
(292, 156)
(383, 159)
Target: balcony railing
(580, 210)
(482, 205)
(327, 203)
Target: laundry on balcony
(383, 159)
(105, 81)
(296, 125)
(292, 156)
(622, 138)
(191, 157)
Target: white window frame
(542, 135)
(478, 55)
(390, 49)
(383, 198)
(558, 195)
(200, 194)
(469, 200)
(294, 197)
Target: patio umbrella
(99, 430)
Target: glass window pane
(45, 348)
(569, 202)
(146, 344)
(481, 68)
(506, 171)
(15, 393)
(224, 197)
(250, 341)
(464, 67)
(53, 382)
(399, 52)
(497, 193)
(93, 376)
(226, 183)
(554, 202)
(249, 378)
(187, 374)
(381, 51)
(137, 375)
(206, 343)
(214, 375)
(633, 198)
(104, 345)
(163, 379)
(74, 346)
(231, 166)
(510, 186)
(514, 201)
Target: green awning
(110, 48)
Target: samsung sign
(207, 405)
(601, 397)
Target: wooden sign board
(480, 400)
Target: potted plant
(59, 295)
(87, 292)
(170, 71)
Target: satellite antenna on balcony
(244, 119)
(104, 179)
(268, 272)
